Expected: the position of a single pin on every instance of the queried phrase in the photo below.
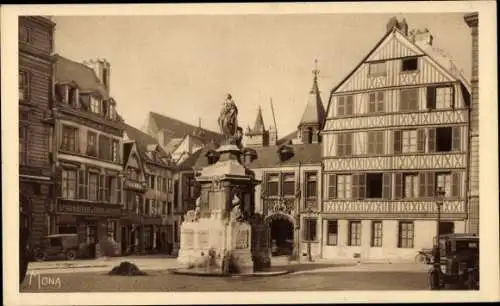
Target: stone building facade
(36, 175)
(472, 21)
(87, 143)
(396, 130)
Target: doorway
(281, 237)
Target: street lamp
(439, 195)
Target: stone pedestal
(218, 228)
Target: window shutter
(340, 106)
(362, 186)
(81, 184)
(371, 103)
(86, 185)
(398, 194)
(332, 186)
(455, 184)
(355, 186)
(403, 100)
(386, 183)
(431, 97)
(431, 139)
(59, 182)
(422, 181)
(398, 143)
(421, 140)
(372, 138)
(340, 146)
(350, 105)
(119, 190)
(455, 140)
(348, 143)
(431, 178)
(380, 142)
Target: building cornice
(472, 19)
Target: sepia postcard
(250, 153)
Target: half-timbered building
(396, 130)
(36, 175)
(153, 185)
(88, 144)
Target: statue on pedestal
(228, 122)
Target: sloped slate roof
(179, 129)
(315, 110)
(287, 138)
(143, 141)
(267, 157)
(67, 70)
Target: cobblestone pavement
(163, 281)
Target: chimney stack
(422, 37)
(102, 69)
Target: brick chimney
(421, 37)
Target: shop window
(354, 233)
(310, 229)
(405, 234)
(332, 232)
(377, 233)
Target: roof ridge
(183, 122)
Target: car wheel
(71, 255)
(40, 255)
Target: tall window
(69, 184)
(439, 97)
(310, 229)
(24, 85)
(93, 186)
(69, 135)
(411, 185)
(332, 232)
(288, 184)
(23, 144)
(104, 147)
(311, 185)
(82, 185)
(408, 100)
(377, 69)
(91, 144)
(95, 105)
(344, 186)
(409, 141)
(168, 207)
(112, 230)
(344, 144)
(376, 240)
(405, 234)
(273, 185)
(376, 142)
(354, 233)
(72, 96)
(409, 64)
(115, 150)
(443, 180)
(444, 139)
(374, 185)
(376, 102)
(345, 105)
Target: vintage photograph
(258, 152)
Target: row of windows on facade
(283, 184)
(406, 232)
(106, 148)
(72, 96)
(86, 185)
(139, 204)
(379, 68)
(410, 185)
(438, 97)
(154, 182)
(441, 139)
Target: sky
(183, 66)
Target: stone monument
(217, 235)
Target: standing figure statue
(228, 119)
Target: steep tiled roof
(178, 129)
(268, 157)
(258, 126)
(315, 111)
(143, 141)
(127, 148)
(173, 144)
(287, 139)
(67, 70)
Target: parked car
(58, 246)
(458, 265)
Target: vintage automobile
(458, 265)
(58, 246)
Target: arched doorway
(281, 234)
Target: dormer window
(409, 64)
(95, 105)
(72, 96)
